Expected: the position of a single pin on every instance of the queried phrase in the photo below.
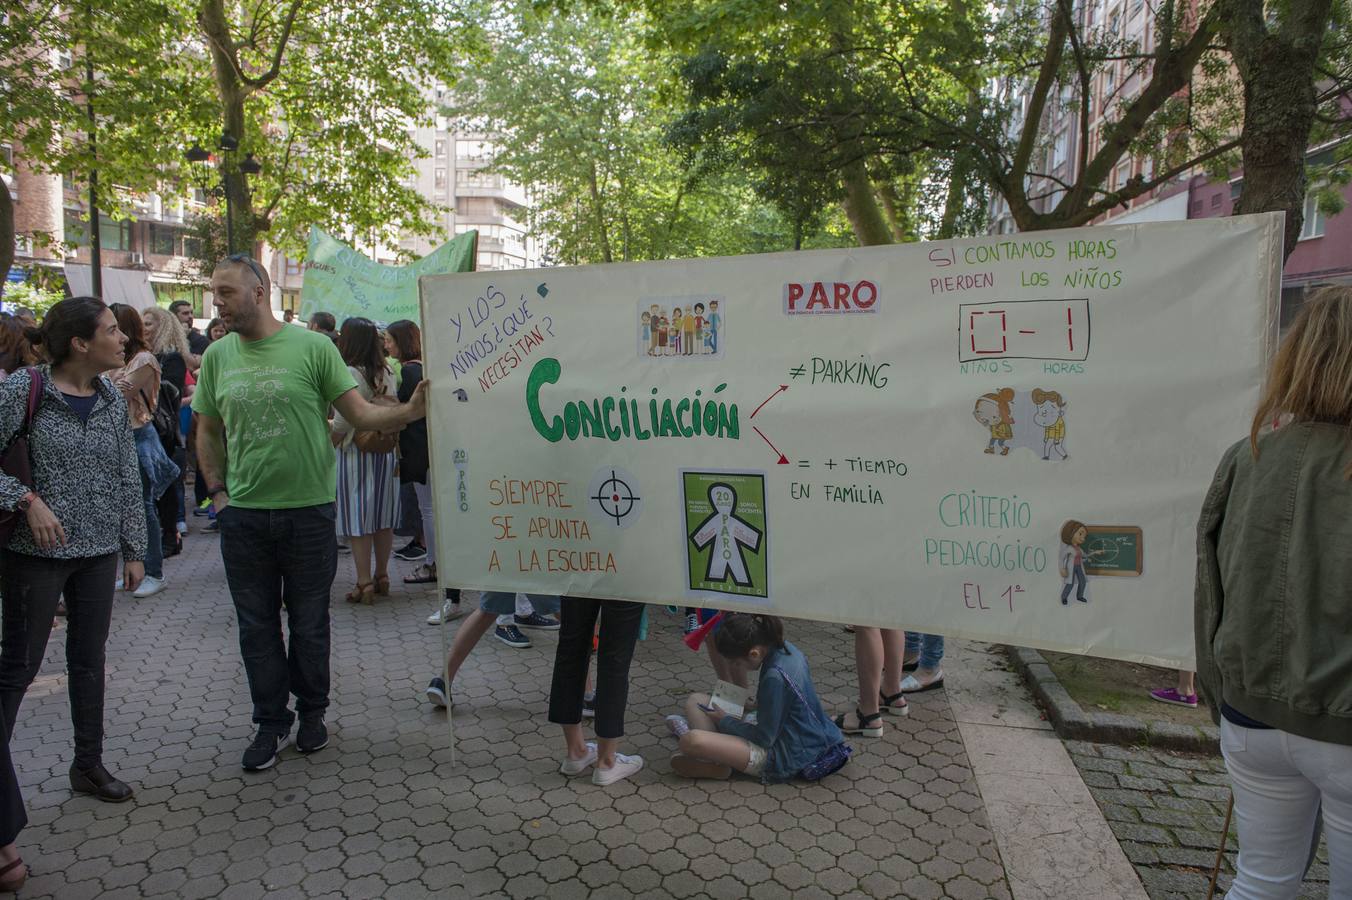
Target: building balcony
(510, 193)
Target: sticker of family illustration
(681, 326)
(1000, 413)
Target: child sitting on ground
(791, 736)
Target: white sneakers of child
(573, 767)
(623, 768)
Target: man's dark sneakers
(511, 636)
(535, 620)
(437, 693)
(100, 783)
(312, 734)
(262, 753)
(412, 551)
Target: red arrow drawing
(782, 388)
(783, 460)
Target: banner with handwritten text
(342, 281)
(1005, 438)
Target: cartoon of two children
(995, 412)
(1049, 411)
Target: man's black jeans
(31, 587)
(620, 620)
(275, 558)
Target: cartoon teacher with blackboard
(1071, 560)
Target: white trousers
(1280, 782)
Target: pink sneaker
(1170, 695)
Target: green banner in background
(341, 281)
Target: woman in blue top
(790, 733)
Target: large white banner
(1005, 438)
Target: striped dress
(368, 487)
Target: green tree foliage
(812, 97)
(323, 93)
(85, 83)
(582, 105)
(870, 102)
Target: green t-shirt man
(274, 397)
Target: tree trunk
(955, 200)
(598, 211)
(861, 206)
(898, 214)
(233, 91)
(1277, 66)
(7, 248)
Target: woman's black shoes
(99, 782)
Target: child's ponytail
(740, 632)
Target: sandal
(361, 592)
(383, 585)
(888, 704)
(424, 574)
(865, 726)
(11, 881)
(910, 685)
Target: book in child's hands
(730, 698)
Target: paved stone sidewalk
(1166, 810)
(383, 812)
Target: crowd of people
(305, 441)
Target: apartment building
(454, 176)
(148, 259)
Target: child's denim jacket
(793, 734)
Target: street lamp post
(247, 166)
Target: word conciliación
(618, 418)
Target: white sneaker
(623, 768)
(149, 587)
(578, 766)
(449, 612)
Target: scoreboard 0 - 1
(1024, 329)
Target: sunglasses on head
(248, 261)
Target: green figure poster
(727, 539)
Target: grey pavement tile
(385, 812)
(1166, 810)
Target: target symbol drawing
(614, 493)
